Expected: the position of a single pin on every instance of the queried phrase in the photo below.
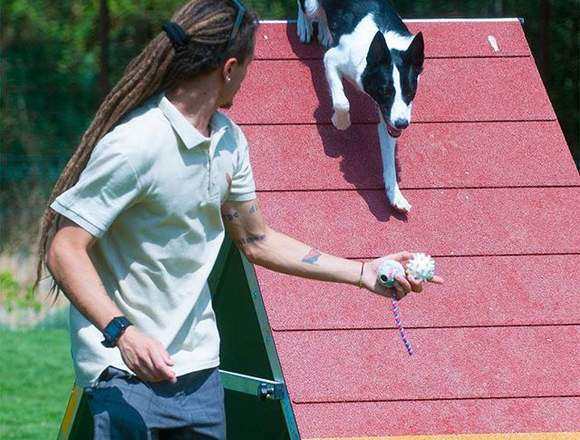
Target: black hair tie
(176, 34)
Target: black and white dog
(369, 45)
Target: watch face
(117, 326)
(114, 330)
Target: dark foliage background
(58, 59)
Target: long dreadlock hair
(208, 25)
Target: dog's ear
(415, 54)
(378, 51)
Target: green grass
(36, 377)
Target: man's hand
(403, 284)
(145, 356)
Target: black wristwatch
(114, 330)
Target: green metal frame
(256, 399)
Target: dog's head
(391, 78)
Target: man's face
(236, 73)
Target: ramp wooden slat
(429, 156)
(498, 221)
(481, 291)
(463, 363)
(505, 89)
(443, 39)
(350, 419)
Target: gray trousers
(126, 408)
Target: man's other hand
(145, 356)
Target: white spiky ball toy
(421, 267)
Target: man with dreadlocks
(136, 221)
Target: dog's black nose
(401, 124)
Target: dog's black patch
(377, 79)
(344, 15)
(410, 65)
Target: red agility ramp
(496, 200)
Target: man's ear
(228, 67)
(378, 51)
(415, 54)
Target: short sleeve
(106, 187)
(243, 187)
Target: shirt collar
(190, 135)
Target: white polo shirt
(151, 193)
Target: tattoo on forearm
(312, 257)
(231, 217)
(251, 239)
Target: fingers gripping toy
(421, 267)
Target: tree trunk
(545, 40)
(498, 8)
(104, 43)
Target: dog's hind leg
(324, 34)
(332, 61)
(388, 144)
(304, 23)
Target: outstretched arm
(276, 251)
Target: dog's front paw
(304, 27)
(398, 201)
(341, 120)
